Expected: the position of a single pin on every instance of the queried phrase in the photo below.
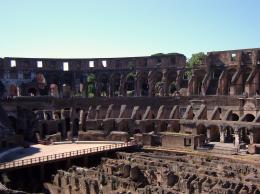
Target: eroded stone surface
(156, 173)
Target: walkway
(38, 153)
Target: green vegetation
(195, 60)
(91, 85)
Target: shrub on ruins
(91, 85)
(196, 60)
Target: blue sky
(116, 28)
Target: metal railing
(59, 156)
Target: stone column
(82, 120)
(97, 88)
(208, 133)
(165, 83)
(222, 133)
(150, 84)
(111, 88)
(122, 89)
(251, 136)
(137, 85)
(178, 80)
(237, 137)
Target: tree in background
(91, 85)
(196, 59)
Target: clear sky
(115, 28)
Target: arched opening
(115, 79)
(39, 115)
(229, 135)
(130, 85)
(158, 84)
(230, 75)
(104, 81)
(48, 115)
(201, 130)
(213, 85)
(57, 115)
(91, 85)
(249, 118)
(213, 133)
(184, 80)
(245, 74)
(32, 92)
(171, 82)
(234, 117)
(41, 83)
(144, 86)
(244, 136)
(199, 78)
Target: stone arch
(244, 135)
(234, 117)
(157, 84)
(39, 115)
(231, 116)
(41, 84)
(143, 83)
(230, 74)
(245, 75)
(213, 133)
(201, 129)
(171, 82)
(229, 134)
(91, 79)
(214, 81)
(184, 79)
(104, 84)
(199, 78)
(115, 84)
(130, 84)
(248, 117)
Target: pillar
(237, 137)
(150, 84)
(97, 88)
(165, 83)
(122, 89)
(222, 134)
(178, 80)
(138, 85)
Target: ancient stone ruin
(194, 116)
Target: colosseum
(133, 125)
